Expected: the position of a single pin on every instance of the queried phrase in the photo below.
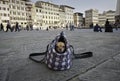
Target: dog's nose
(60, 49)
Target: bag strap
(38, 54)
(81, 55)
(77, 56)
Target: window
(9, 6)
(14, 13)
(39, 10)
(4, 8)
(10, 18)
(18, 8)
(17, 2)
(18, 13)
(13, 7)
(22, 14)
(4, 2)
(36, 10)
(13, 1)
(5, 15)
(22, 8)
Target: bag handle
(81, 55)
(38, 54)
(77, 56)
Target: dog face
(60, 47)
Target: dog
(60, 47)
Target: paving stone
(15, 48)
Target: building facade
(54, 16)
(48, 14)
(37, 16)
(62, 18)
(68, 11)
(102, 19)
(4, 12)
(117, 15)
(110, 15)
(41, 15)
(91, 17)
(20, 11)
(28, 8)
(78, 19)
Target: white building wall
(4, 12)
(91, 17)
(18, 12)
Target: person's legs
(7, 29)
(10, 29)
(15, 29)
(18, 29)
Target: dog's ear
(62, 39)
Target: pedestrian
(17, 27)
(97, 28)
(66, 27)
(1, 27)
(47, 29)
(27, 27)
(116, 24)
(8, 27)
(108, 27)
(72, 27)
(31, 27)
(91, 25)
(13, 27)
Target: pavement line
(91, 68)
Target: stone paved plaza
(15, 48)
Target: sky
(82, 5)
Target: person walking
(67, 27)
(27, 27)
(8, 27)
(31, 27)
(17, 27)
(72, 27)
(1, 27)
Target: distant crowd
(15, 28)
(108, 27)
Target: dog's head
(60, 47)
